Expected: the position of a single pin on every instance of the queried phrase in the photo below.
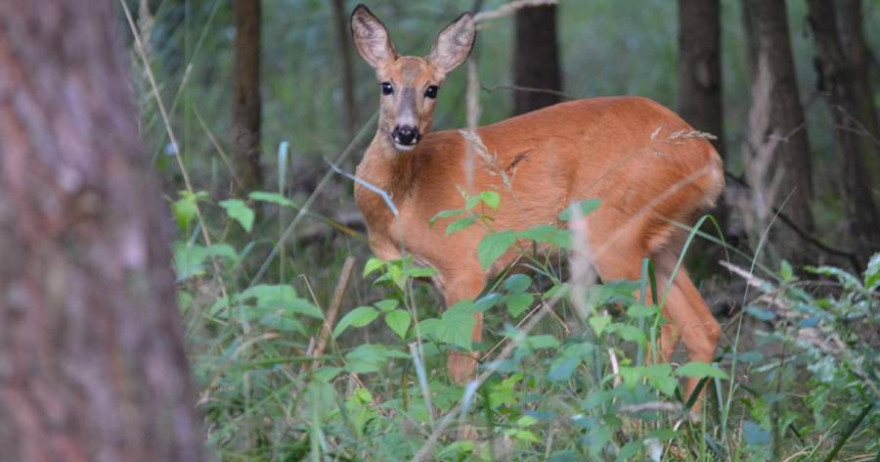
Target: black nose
(405, 135)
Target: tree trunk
(340, 17)
(849, 21)
(838, 84)
(92, 365)
(246, 115)
(535, 59)
(786, 118)
(699, 67)
(699, 74)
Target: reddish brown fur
(646, 165)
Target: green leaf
(785, 271)
(628, 332)
(445, 214)
(586, 207)
(638, 311)
(517, 283)
(456, 325)
(540, 342)
(372, 265)
(517, 304)
(599, 323)
(189, 260)
(398, 321)
(491, 198)
(272, 198)
(387, 304)
(240, 212)
(358, 317)
(700, 369)
(548, 234)
(370, 358)
(282, 323)
(460, 224)
(493, 246)
(872, 273)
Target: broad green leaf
(272, 198)
(586, 207)
(460, 224)
(456, 326)
(540, 342)
(358, 317)
(642, 311)
(700, 369)
(398, 321)
(372, 265)
(517, 304)
(491, 198)
(517, 283)
(370, 358)
(190, 260)
(493, 246)
(282, 323)
(548, 234)
(387, 304)
(627, 332)
(599, 323)
(240, 212)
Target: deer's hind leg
(690, 319)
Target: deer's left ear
(454, 44)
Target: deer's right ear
(371, 37)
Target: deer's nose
(405, 135)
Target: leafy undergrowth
(566, 367)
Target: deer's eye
(387, 89)
(431, 92)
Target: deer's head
(409, 84)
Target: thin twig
(333, 310)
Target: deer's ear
(371, 37)
(454, 44)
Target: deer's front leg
(462, 365)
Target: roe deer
(649, 169)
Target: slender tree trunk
(699, 67)
(750, 38)
(247, 105)
(786, 117)
(536, 59)
(852, 38)
(839, 84)
(699, 73)
(340, 18)
(92, 365)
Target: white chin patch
(404, 147)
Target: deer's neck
(387, 169)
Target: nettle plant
(829, 332)
(581, 382)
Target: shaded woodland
(183, 254)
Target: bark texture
(786, 118)
(858, 55)
(838, 83)
(699, 67)
(92, 365)
(247, 106)
(340, 19)
(536, 59)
